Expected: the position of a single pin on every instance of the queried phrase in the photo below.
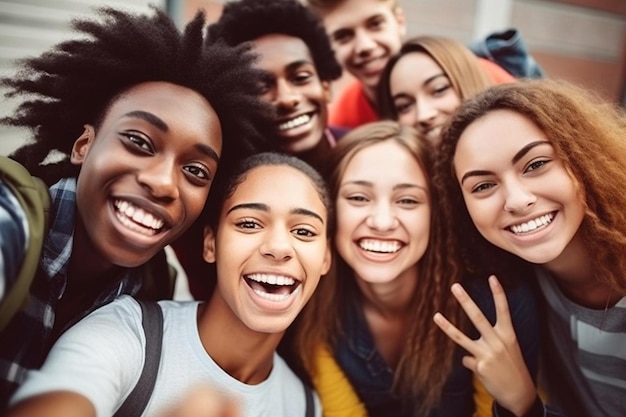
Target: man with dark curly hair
(299, 65)
(142, 116)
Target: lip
(300, 121)
(532, 234)
(380, 250)
(370, 66)
(133, 233)
(268, 301)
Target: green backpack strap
(34, 196)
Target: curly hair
(75, 82)
(246, 20)
(427, 357)
(458, 63)
(587, 133)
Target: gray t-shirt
(588, 348)
(101, 357)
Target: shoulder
(100, 358)
(496, 73)
(351, 107)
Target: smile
(295, 122)
(137, 219)
(380, 246)
(532, 225)
(272, 287)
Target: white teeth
(533, 224)
(434, 133)
(139, 216)
(275, 297)
(298, 121)
(272, 279)
(379, 246)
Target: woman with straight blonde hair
(427, 80)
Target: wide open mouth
(272, 287)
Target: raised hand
(495, 358)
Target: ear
(208, 253)
(328, 259)
(81, 146)
(399, 14)
(328, 92)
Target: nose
(518, 197)
(287, 97)
(382, 218)
(425, 112)
(363, 43)
(159, 177)
(277, 244)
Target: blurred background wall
(583, 41)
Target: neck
(392, 298)
(244, 354)
(85, 262)
(318, 155)
(575, 275)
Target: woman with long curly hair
(535, 171)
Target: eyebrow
(162, 126)
(266, 208)
(150, 118)
(401, 186)
(519, 155)
(208, 151)
(297, 64)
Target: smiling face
(517, 191)
(295, 90)
(145, 173)
(270, 247)
(383, 213)
(364, 35)
(422, 94)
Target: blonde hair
(426, 360)
(459, 64)
(324, 7)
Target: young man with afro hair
(141, 115)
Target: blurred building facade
(583, 41)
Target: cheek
(193, 203)
(407, 119)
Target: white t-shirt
(101, 357)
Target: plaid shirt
(26, 341)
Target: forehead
(496, 137)
(278, 51)
(352, 13)
(415, 68)
(181, 109)
(389, 157)
(281, 187)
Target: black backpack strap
(310, 402)
(152, 323)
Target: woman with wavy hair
(536, 171)
(369, 326)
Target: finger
(455, 334)
(470, 363)
(474, 313)
(503, 315)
